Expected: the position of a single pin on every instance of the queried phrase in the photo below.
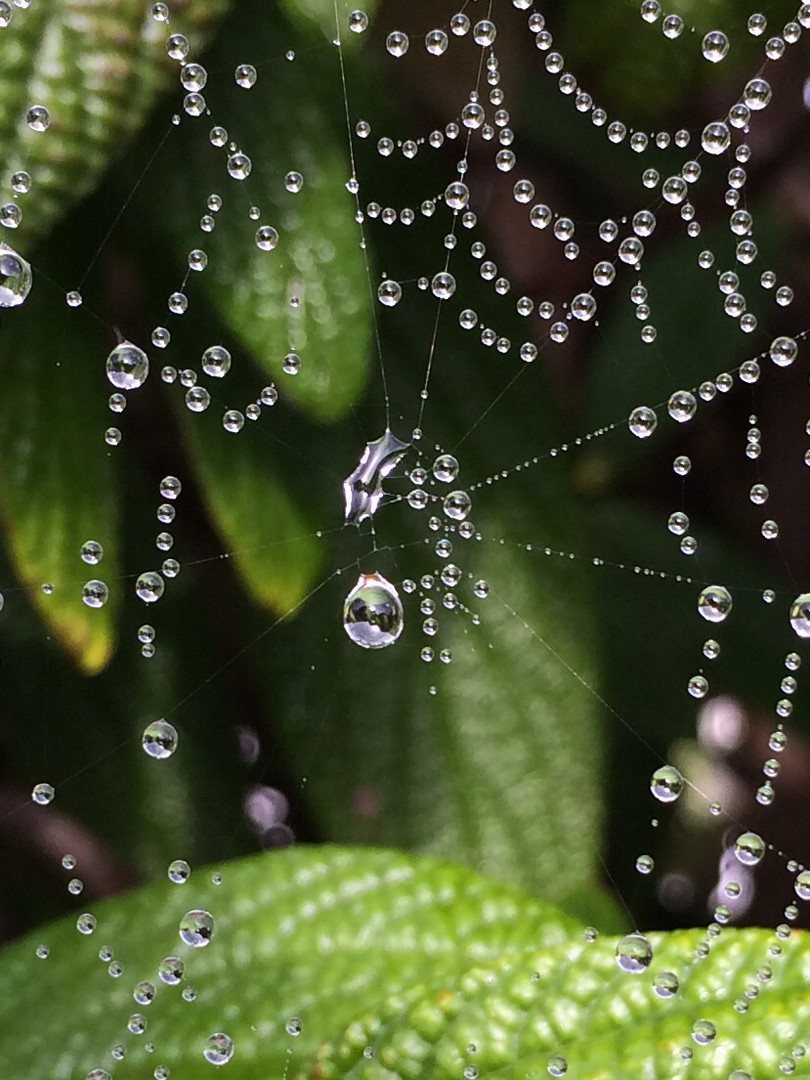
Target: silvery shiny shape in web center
(362, 488)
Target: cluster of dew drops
(720, 137)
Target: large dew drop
(800, 615)
(642, 421)
(15, 277)
(749, 848)
(42, 794)
(159, 739)
(372, 613)
(218, 1048)
(715, 46)
(445, 468)
(666, 984)
(634, 954)
(666, 784)
(457, 505)
(149, 586)
(239, 166)
(362, 488)
(714, 603)
(127, 366)
(179, 871)
(197, 927)
(716, 138)
(443, 285)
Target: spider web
(537, 344)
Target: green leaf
(573, 1002)
(319, 933)
(273, 543)
(58, 484)
(97, 70)
(392, 967)
(309, 295)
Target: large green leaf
(314, 933)
(387, 966)
(96, 69)
(309, 295)
(58, 483)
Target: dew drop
(86, 923)
(682, 465)
(715, 46)
(716, 138)
(197, 928)
(171, 970)
(239, 166)
(218, 1048)
(233, 421)
(445, 468)
(42, 794)
(642, 421)
(293, 182)
(714, 603)
(216, 361)
(457, 505)
(372, 612)
(703, 1032)
(443, 285)
(149, 586)
(15, 277)
(397, 43)
(170, 488)
(389, 293)
(245, 76)
(802, 885)
(698, 686)
(682, 406)
(38, 118)
(634, 954)
(783, 351)
(800, 615)
(266, 238)
(749, 848)
(159, 740)
(179, 871)
(95, 593)
(666, 784)
(666, 984)
(127, 366)
(177, 46)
